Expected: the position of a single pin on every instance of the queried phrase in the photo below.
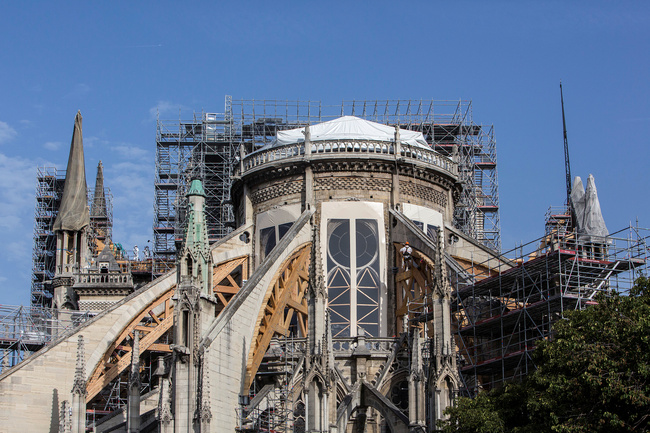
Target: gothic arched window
(353, 281)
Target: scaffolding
(49, 189)
(207, 146)
(500, 319)
(272, 404)
(24, 330)
(200, 147)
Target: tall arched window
(353, 280)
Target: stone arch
(285, 298)
(364, 396)
(443, 393)
(159, 318)
(389, 385)
(118, 355)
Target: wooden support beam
(285, 298)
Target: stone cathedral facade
(311, 316)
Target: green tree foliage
(593, 376)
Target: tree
(593, 376)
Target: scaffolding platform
(499, 319)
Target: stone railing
(341, 346)
(104, 278)
(380, 345)
(346, 148)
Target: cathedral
(326, 309)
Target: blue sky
(120, 62)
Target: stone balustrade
(341, 346)
(104, 278)
(346, 148)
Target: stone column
(309, 175)
(133, 402)
(394, 196)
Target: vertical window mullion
(353, 278)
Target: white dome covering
(351, 128)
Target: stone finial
(316, 278)
(329, 344)
(79, 385)
(164, 403)
(65, 425)
(205, 415)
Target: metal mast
(567, 164)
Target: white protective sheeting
(586, 210)
(273, 219)
(594, 223)
(351, 128)
(578, 202)
(352, 211)
(425, 218)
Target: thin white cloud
(91, 141)
(165, 109)
(17, 186)
(78, 91)
(133, 153)
(7, 133)
(52, 145)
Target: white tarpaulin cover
(351, 128)
(586, 210)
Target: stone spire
(73, 212)
(196, 258)
(98, 208)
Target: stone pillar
(394, 196)
(248, 206)
(309, 174)
(361, 354)
(242, 154)
(416, 383)
(186, 309)
(133, 402)
(79, 391)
